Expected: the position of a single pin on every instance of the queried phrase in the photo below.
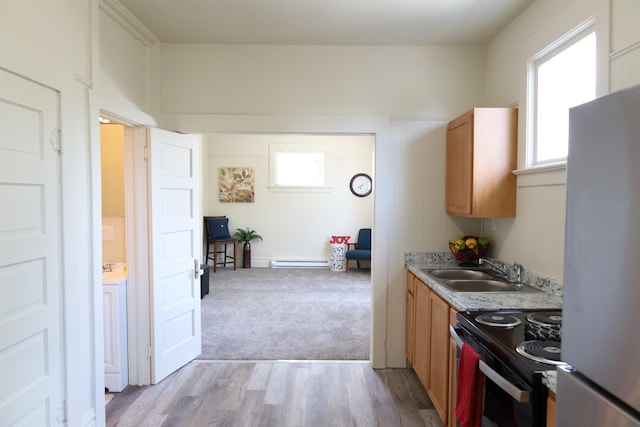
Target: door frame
(137, 254)
(137, 249)
(388, 263)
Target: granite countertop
(550, 379)
(484, 301)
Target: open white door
(175, 251)
(31, 386)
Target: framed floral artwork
(235, 185)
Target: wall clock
(361, 185)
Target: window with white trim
(297, 166)
(560, 77)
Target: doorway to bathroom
(114, 277)
(154, 232)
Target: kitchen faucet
(497, 268)
(504, 271)
(519, 272)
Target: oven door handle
(513, 391)
(455, 336)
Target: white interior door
(30, 308)
(175, 251)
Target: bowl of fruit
(468, 249)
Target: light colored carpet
(286, 314)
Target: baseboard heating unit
(276, 263)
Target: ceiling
(327, 22)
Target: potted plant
(246, 236)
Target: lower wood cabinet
(429, 344)
(410, 318)
(422, 331)
(551, 409)
(453, 373)
(439, 355)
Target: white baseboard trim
(298, 264)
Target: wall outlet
(108, 232)
(493, 224)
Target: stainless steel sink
(485, 286)
(459, 274)
(475, 280)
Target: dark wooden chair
(217, 238)
(361, 249)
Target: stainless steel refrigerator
(601, 292)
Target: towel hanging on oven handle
(513, 391)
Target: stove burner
(533, 331)
(541, 351)
(498, 320)
(545, 318)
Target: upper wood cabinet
(481, 157)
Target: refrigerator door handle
(519, 395)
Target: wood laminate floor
(276, 394)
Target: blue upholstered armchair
(361, 249)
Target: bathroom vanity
(114, 303)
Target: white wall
(535, 238)
(113, 209)
(51, 42)
(124, 80)
(625, 44)
(415, 211)
(295, 225)
(319, 80)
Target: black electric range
(514, 394)
(527, 341)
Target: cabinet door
(409, 331)
(459, 171)
(453, 372)
(494, 159)
(110, 327)
(410, 318)
(422, 333)
(439, 355)
(453, 367)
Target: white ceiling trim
(128, 21)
